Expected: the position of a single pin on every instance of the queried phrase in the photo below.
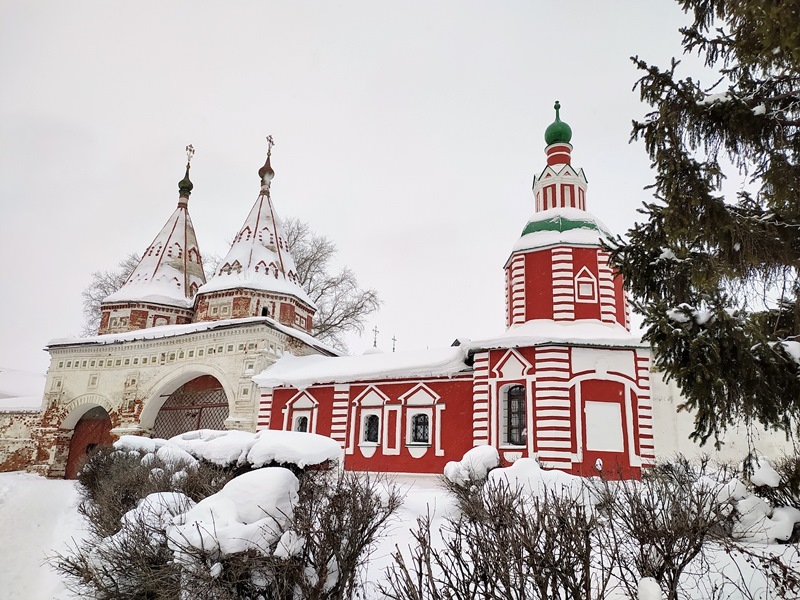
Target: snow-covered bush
(685, 530)
(209, 515)
(114, 480)
(505, 543)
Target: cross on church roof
(375, 338)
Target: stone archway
(200, 403)
(92, 430)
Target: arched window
(515, 416)
(372, 425)
(301, 424)
(420, 429)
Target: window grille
(420, 430)
(371, 428)
(186, 411)
(301, 424)
(516, 416)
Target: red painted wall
(455, 428)
(538, 285)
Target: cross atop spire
(375, 336)
(185, 185)
(266, 173)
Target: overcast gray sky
(407, 131)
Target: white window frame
(584, 277)
(366, 412)
(410, 414)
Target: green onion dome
(557, 132)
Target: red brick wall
(138, 319)
(241, 307)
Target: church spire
(185, 185)
(266, 173)
(557, 136)
(258, 273)
(162, 287)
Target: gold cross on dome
(271, 143)
(189, 153)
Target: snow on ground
(37, 517)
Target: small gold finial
(189, 153)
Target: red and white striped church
(566, 382)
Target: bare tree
(342, 305)
(103, 284)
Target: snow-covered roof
(583, 332)
(259, 257)
(166, 331)
(171, 270)
(21, 390)
(556, 226)
(304, 371)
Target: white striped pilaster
(645, 409)
(480, 399)
(608, 308)
(517, 287)
(563, 284)
(264, 409)
(341, 398)
(552, 410)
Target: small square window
(171, 356)
(230, 347)
(180, 354)
(69, 364)
(241, 347)
(214, 310)
(191, 353)
(127, 361)
(61, 365)
(136, 361)
(245, 392)
(84, 364)
(200, 352)
(220, 349)
(93, 363)
(118, 362)
(93, 381)
(144, 360)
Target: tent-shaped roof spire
(259, 258)
(171, 269)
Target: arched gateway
(92, 430)
(197, 404)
